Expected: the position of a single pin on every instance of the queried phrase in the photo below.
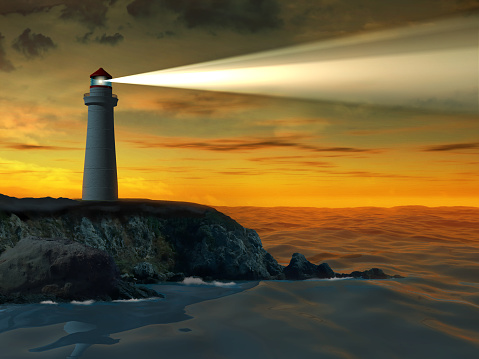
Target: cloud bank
(5, 64)
(33, 45)
(237, 15)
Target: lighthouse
(100, 181)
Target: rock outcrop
(220, 248)
(61, 269)
(149, 240)
(373, 273)
(300, 268)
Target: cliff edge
(68, 249)
(149, 240)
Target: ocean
(431, 313)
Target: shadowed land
(62, 249)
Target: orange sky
(217, 148)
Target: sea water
(432, 313)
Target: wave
(200, 281)
(49, 302)
(85, 302)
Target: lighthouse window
(99, 81)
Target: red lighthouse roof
(101, 72)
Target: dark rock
(173, 237)
(144, 272)
(220, 248)
(59, 269)
(300, 268)
(325, 271)
(373, 273)
(127, 277)
(273, 268)
(175, 277)
(129, 291)
(149, 241)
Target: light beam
(432, 65)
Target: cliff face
(57, 267)
(149, 240)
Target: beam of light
(431, 65)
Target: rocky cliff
(71, 249)
(39, 269)
(149, 240)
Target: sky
(220, 148)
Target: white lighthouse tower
(100, 181)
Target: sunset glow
(404, 137)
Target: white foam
(327, 279)
(199, 281)
(136, 300)
(340, 278)
(223, 284)
(51, 302)
(86, 302)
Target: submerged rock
(127, 291)
(373, 273)
(300, 268)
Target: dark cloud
(5, 64)
(315, 170)
(206, 103)
(244, 144)
(25, 7)
(340, 149)
(185, 106)
(239, 15)
(466, 4)
(23, 147)
(89, 12)
(159, 169)
(466, 101)
(341, 17)
(225, 145)
(453, 147)
(164, 34)
(103, 39)
(294, 160)
(468, 174)
(239, 173)
(458, 162)
(109, 39)
(370, 174)
(85, 39)
(140, 8)
(32, 45)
